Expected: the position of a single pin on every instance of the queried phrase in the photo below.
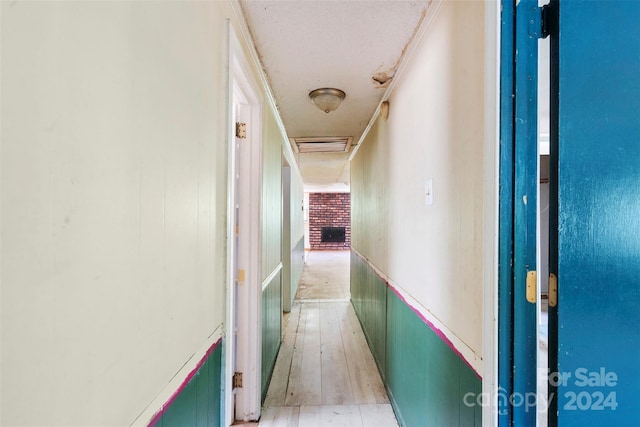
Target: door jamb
(491, 211)
(247, 399)
(286, 237)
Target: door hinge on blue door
(540, 21)
(548, 20)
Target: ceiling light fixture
(327, 99)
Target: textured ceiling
(355, 46)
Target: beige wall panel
(113, 203)
(271, 194)
(434, 132)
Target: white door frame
(243, 332)
(492, 22)
(286, 237)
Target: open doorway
(544, 112)
(328, 243)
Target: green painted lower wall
(271, 328)
(199, 403)
(426, 380)
(368, 296)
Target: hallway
(157, 161)
(325, 374)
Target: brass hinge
(531, 287)
(237, 380)
(541, 21)
(241, 130)
(553, 290)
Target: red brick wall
(329, 210)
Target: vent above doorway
(322, 145)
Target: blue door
(521, 29)
(595, 239)
(523, 399)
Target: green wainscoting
(199, 402)
(368, 296)
(426, 379)
(271, 328)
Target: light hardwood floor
(325, 276)
(325, 374)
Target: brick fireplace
(330, 221)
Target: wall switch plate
(428, 197)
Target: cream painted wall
(307, 243)
(275, 145)
(297, 215)
(271, 194)
(113, 203)
(435, 131)
(297, 232)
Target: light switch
(428, 197)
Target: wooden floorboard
(280, 416)
(305, 383)
(330, 415)
(377, 415)
(293, 391)
(363, 374)
(325, 374)
(369, 368)
(336, 385)
(277, 393)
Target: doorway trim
(286, 238)
(243, 331)
(490, 349)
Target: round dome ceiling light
(327, 99)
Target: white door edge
(491, 198)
